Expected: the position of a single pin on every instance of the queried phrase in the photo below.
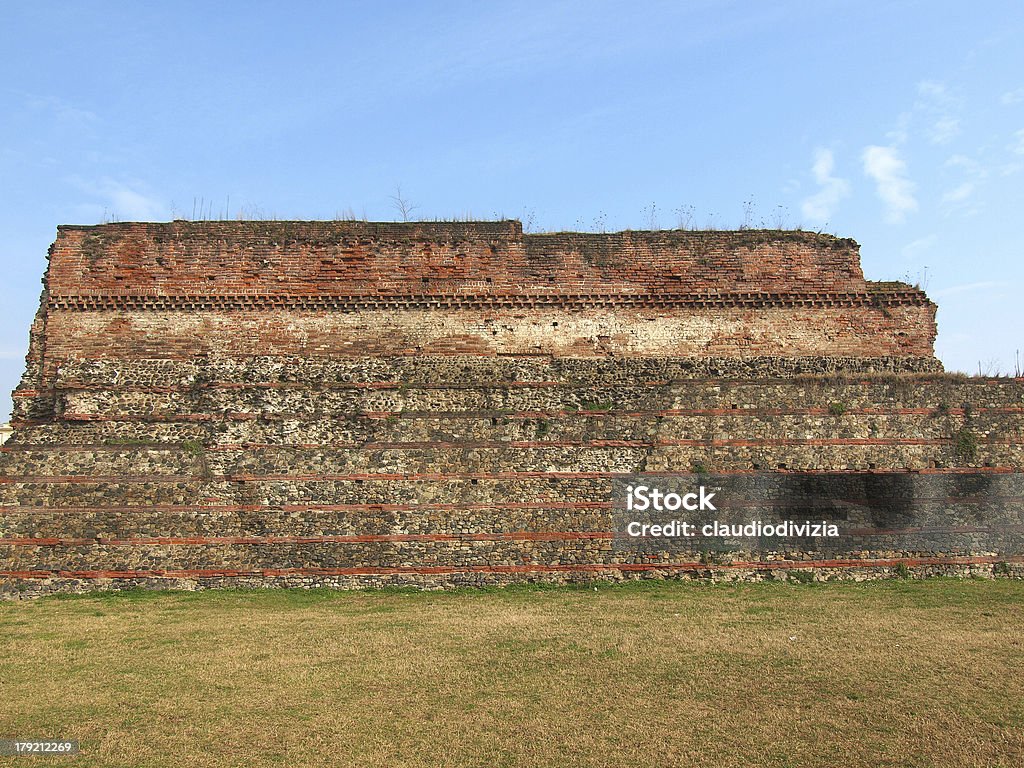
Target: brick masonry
(354, 404)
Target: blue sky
(900, 124)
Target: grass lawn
(897, 673)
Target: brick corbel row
(356, 301)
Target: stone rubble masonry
(357, 404)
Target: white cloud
(959, 194)
(901, 132)
(820, 206)
(123, 201)
(1012, 97)
(965, 163)
(63, 111)
(919, 247)
(944, 130)
(965, 288)
(935, 114)
(885, 166)
(939, 106)
(963, 197)
(1018, 147)
(932, 89)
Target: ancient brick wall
(315, 416)
(348, 288)
(357, 258)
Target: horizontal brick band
(174, 541)
(357, 301)
(154, 541)
(200, 418)
(504, 444)
(276, 416)
(70, 385)
(590, 568)
(150, 478)
(541, 504)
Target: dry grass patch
(895, 673)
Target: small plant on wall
(965, 444)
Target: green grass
(895, 673)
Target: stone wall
(352, 404)
(467, 470)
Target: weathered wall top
(331, 258)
